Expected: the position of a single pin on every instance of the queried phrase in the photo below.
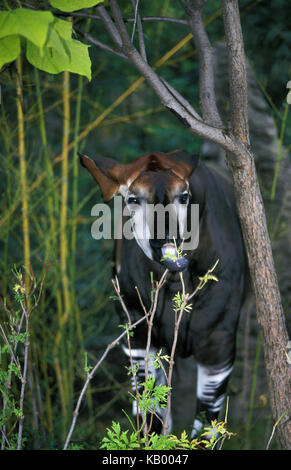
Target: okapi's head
(151, 182)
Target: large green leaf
(63, 28)
(31, 24)
(73, 5)
(73, 57)
(9, 49)
(49, 59)
(80, 60)
(55, 56)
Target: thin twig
(90, 376)
(151, 315)
(100, 44)
(23, 382)
(137, 18)
(133, 372)
(194, 9)
(135, 6)
(274, 428)
(144, 19)
(164, 19)
(173, 350)
(185, 300)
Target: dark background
(139, 124)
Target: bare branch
(135, 9)
(144, 19)
(165, 19)
(236, 70)
(140, 30)
(194, 9)
(109, 25)
(181, 99)
(100, 44)
(90, 376)
(169, 97)
(195, 125)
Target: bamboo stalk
(5, 131)
(23, 172)
(63, 224)
(51, 240)
(75, 210)
(63, 298)
(64, 195)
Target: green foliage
(208, 276)
(49, 43)
(117, 439)
(152, 396)
(178, 300)
(9, 49)
(158, 358)
(73, 5)
(149, 399)
(29, 24)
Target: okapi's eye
(133, 200)
(184, 198)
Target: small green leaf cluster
(178, 300)
(158, 358)
(117, 439)
(11, 408)
(47, 40)
(208, 276)
(152, 396)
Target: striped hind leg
(211, 386)
(138, 359)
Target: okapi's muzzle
(171, 258)
(158, 180)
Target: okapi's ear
(104, 172)
(187, 163)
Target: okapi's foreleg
(138, 359)
(215, 353)
(211, 387)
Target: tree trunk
(251, 212)
(269, 310)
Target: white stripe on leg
(211, 383)
(138, 357)
(209, 380)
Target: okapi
(208, 332)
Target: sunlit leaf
(73, 5)
(49, 59)
(31, 24)
(80, 60)
(9, 49)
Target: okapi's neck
(203, 255)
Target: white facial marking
(141, 218)
(139, 224)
